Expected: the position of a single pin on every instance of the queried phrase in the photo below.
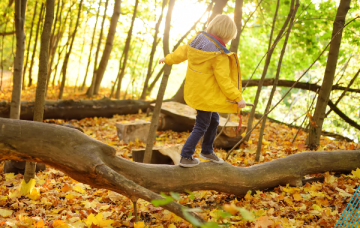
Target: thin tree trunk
(218, 8)
(81, 54)
(238, 21)
(67, 56)
(29, 44)
(292, 13)
(90, 91)
(108, 47)
(54, 39)
(35, 44)
(91, 47)
(313, 139)
(344, 92)
(20, 9)
(152, 53)
(155, 117)
(126, 51)
(42, 77)
(59, 35)
(267, 63)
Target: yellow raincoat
(212, 78)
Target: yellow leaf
(171, 226)
(297, 197)
(60, 224)
(5, 212)
(35, 194)
(26, 188)
(356, 173)
(9, 176)
(79, 188)
(39, 224)
(317, 207)
(141, 225)
(69, 196)
(15, 194)
(97, 220)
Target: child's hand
(162, 61)
(241, 104)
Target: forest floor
(59, 201)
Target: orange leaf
(264, 222)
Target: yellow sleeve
(178, 56)
(221, 68)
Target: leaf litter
(56, 200)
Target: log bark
(109, 44)
(68, 150)
(92, 162)
(313, 139)
(71, 109)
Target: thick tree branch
(342, 115)
(7, 33)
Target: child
(212, 79)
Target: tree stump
(130, 131)
(180, 117)
(160, 155)
(17, 167)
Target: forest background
(310, 33)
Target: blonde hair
(223, 27)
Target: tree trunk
(29, 44)
(67, 56)
(91, 89)
(109, 44)
(35, 44)
(238, 21)
(126, 52)
(92, 162)
(152, 53)
(344, 92)
(91, 47)
(42, 77)
(292, 13)
(155, 117)
(20, 9)
(313, 139)
(54, 40)
(218, 8)
(267, 63)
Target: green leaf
(175, 195)
(160, 202)
(191, 194)
(194, 221)
(210, 225)
(247, 215)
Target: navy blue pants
(206, 124)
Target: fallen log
(74, 153)
(92, 162)
(180, 117)
(78, 109)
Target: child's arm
(222, 74)
(178, 56)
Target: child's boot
(211, 157)
(189, 162)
